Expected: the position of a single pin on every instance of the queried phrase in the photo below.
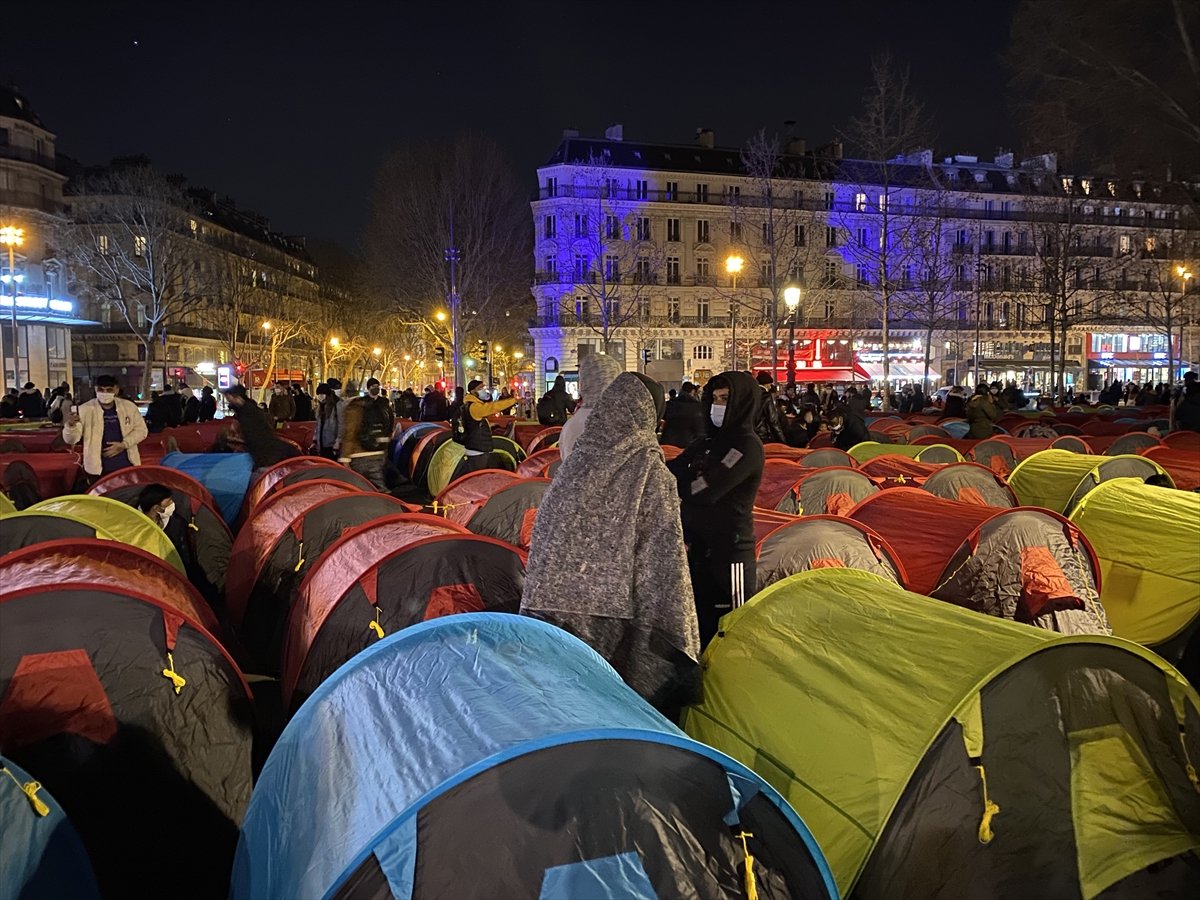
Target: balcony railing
(30, 200)
(27, 154)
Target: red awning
(823, 375)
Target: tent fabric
(41, 854)
(155, 771)
(118, 519)
(423, 451)
(57, 473)
(224, 475)
(1183, 439)
(331, 472)
(463, 497)
(428, 578)
(406, 442)
(359, 775)
(1182, 464)
(542, 440)
(24, 529)
(996, 454)
(776, 489)
(970, 483)
(892, 470)
(140, 476)
(537, 465)
(1058, 479)
(267, 478)
(828, 456)
(924, 452)
(1134, 442)
(509, 514)
(106, 562)
(1023, 564)
(767, 520)
(833, 490)
(445, 461)
(1147, 541)
(6, 505)
(878, 714)
(816, 542)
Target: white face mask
(717, 414)
(485, 396)
(167, 512)
(337, 392)
(106, 397)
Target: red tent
(832, 490)
(56, 472)
(776, 490)
(1181, 463)
(541, 439)
(819, 542)
(463, 497)
(268, 477)
(538, 464)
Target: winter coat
(769, 425)
(556, 404)
(955, 408)
(596, 373)
(304, 407)
(353, 443)
(854, 431)
(90, 429)
(982, 414)
(433, 407)
(607, 561)
(208, 407)
(282, 407)
(30, 404)
(683, 421)
(261, 442)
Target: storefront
(43, 331)
(1132, 357)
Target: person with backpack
(556, 404)
(330, 425)
(368, 430)
(472, 429)
(208, 404)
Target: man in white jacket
(111, 429)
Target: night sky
(290, 107)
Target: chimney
(569, 133)
(1004, 159)
(614, 132)
(797, 146)
(705, 138)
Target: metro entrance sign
(225, 379)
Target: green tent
(935, 752)
(6, 505)
(1148, 542)
(441, 468)
(934, 453)
(1059, 479)
(124, 522)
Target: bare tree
(926, 294)
(133, 239)
(888, 133)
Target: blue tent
(226, 475)
(489, 755)
(40, 855)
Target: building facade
(678, 259)
(36, 305)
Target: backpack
(374, 429)
(549, 412)
(458, 426)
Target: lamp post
(791, 298)
(266, 331)
(733, 265)
(1184, 275)
(13, 237)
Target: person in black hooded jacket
(718, 480)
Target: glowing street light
(733, 265)
(440, 316)
(407, 357)
(334, 342)
(517, 354)
(791, 299)
(377, 351)
(13, 237)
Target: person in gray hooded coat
(607, 561)
(596, 373)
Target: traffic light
(440, 354)
(483, 351)
(648, 355)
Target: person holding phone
(110, 427)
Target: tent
(406, 442)
(442, 467)
(6, 505)
(224, 475)
(210, 537)
(997, 454)
(833, 490)
(497, 756)
(934, 453)
(430, 577)
(970, 483)
(1059, 479)
(24, 529)
(137, 721)
(825, 542)
(927, 430)
(509, 514)
(1133, 442)
(422, 454)
(119, 519)
(828, 456)
(940, 754)
(266, 479)
(256, 613)
(776, 489)
(41, 854)
(463, 497)
(545, 438)
(1189, 440)
(537, 465)
(767, 520)
(1030, 565)
(331, 472)
(1181, 463)
(1148, 542)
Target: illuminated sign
(225, 379)
(205, 368)
(36, 303)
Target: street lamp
(791, 299)
(334, 343)
(1184, 275)
(733, 265)
(440, 316)
(13, 237)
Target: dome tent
(1059, 479)
(929, 453)
(463, 497)
(821, 542)
(833, 490)
(119, 519)
(509, 514)
(41, 854)
(559, 781)
(24, 529)
(264, 482)
(940, 754)
(226, 476)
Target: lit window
(860, 202)
(1125, 243)
(102, 243)
(139, 245)
(702, 352)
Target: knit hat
(764, 378)
(472, 384)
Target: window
(702, 352)
(581, 267)
(798, 237)
(860, 202)
(581, 225)
(862, 274)
(673, 270)
(642, 270)
(102, 244)
(581, 308)
(641, 189)
(193, 225)
(831, 273)
(550, 227)
(672, 229)
(1150, 243)
(612, 268)
(1005, 206)
(612, 310)
(735, 231)
(702, 272)
(1125, 243)
(702, 309)
(764, 273)
(643, 228)
(702, 193)
(830, 308)
(830, 236)
(612, 187)
(643, 308)
(551, 266)
(139, 245)
(829, 199)
(612, 228)
(768, 237)
(551, 187)
(989, 206)
(734, 193)
(883, 202)
(672, 191)
(989, 239)
(862, 237)
(962, 238)
(702, 231)
(673, 309)
(798, 198)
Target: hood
(745, 395)
(596, 373)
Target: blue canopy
(40, 855)
(226, 475)
(418, 713)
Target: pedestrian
(769, 426)
(433, 405)
(208, 404)
(261, 442)
(330, 425)
(303, 401)
(596, 373)
(607, 561)
(956, 405)
(848, 427)
(803, 428)
(60, 402)
(683, 419)
(717, 479)
(10, 407)
(556, 404)
(109, 426)
(30, 402)
(1186, 415)
(191, 406)
(982, 413)
(407, 406)
(473, 430)
(282, 407)
(368, 430)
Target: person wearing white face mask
(158, 502)
(472, 429)
(110, 427)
